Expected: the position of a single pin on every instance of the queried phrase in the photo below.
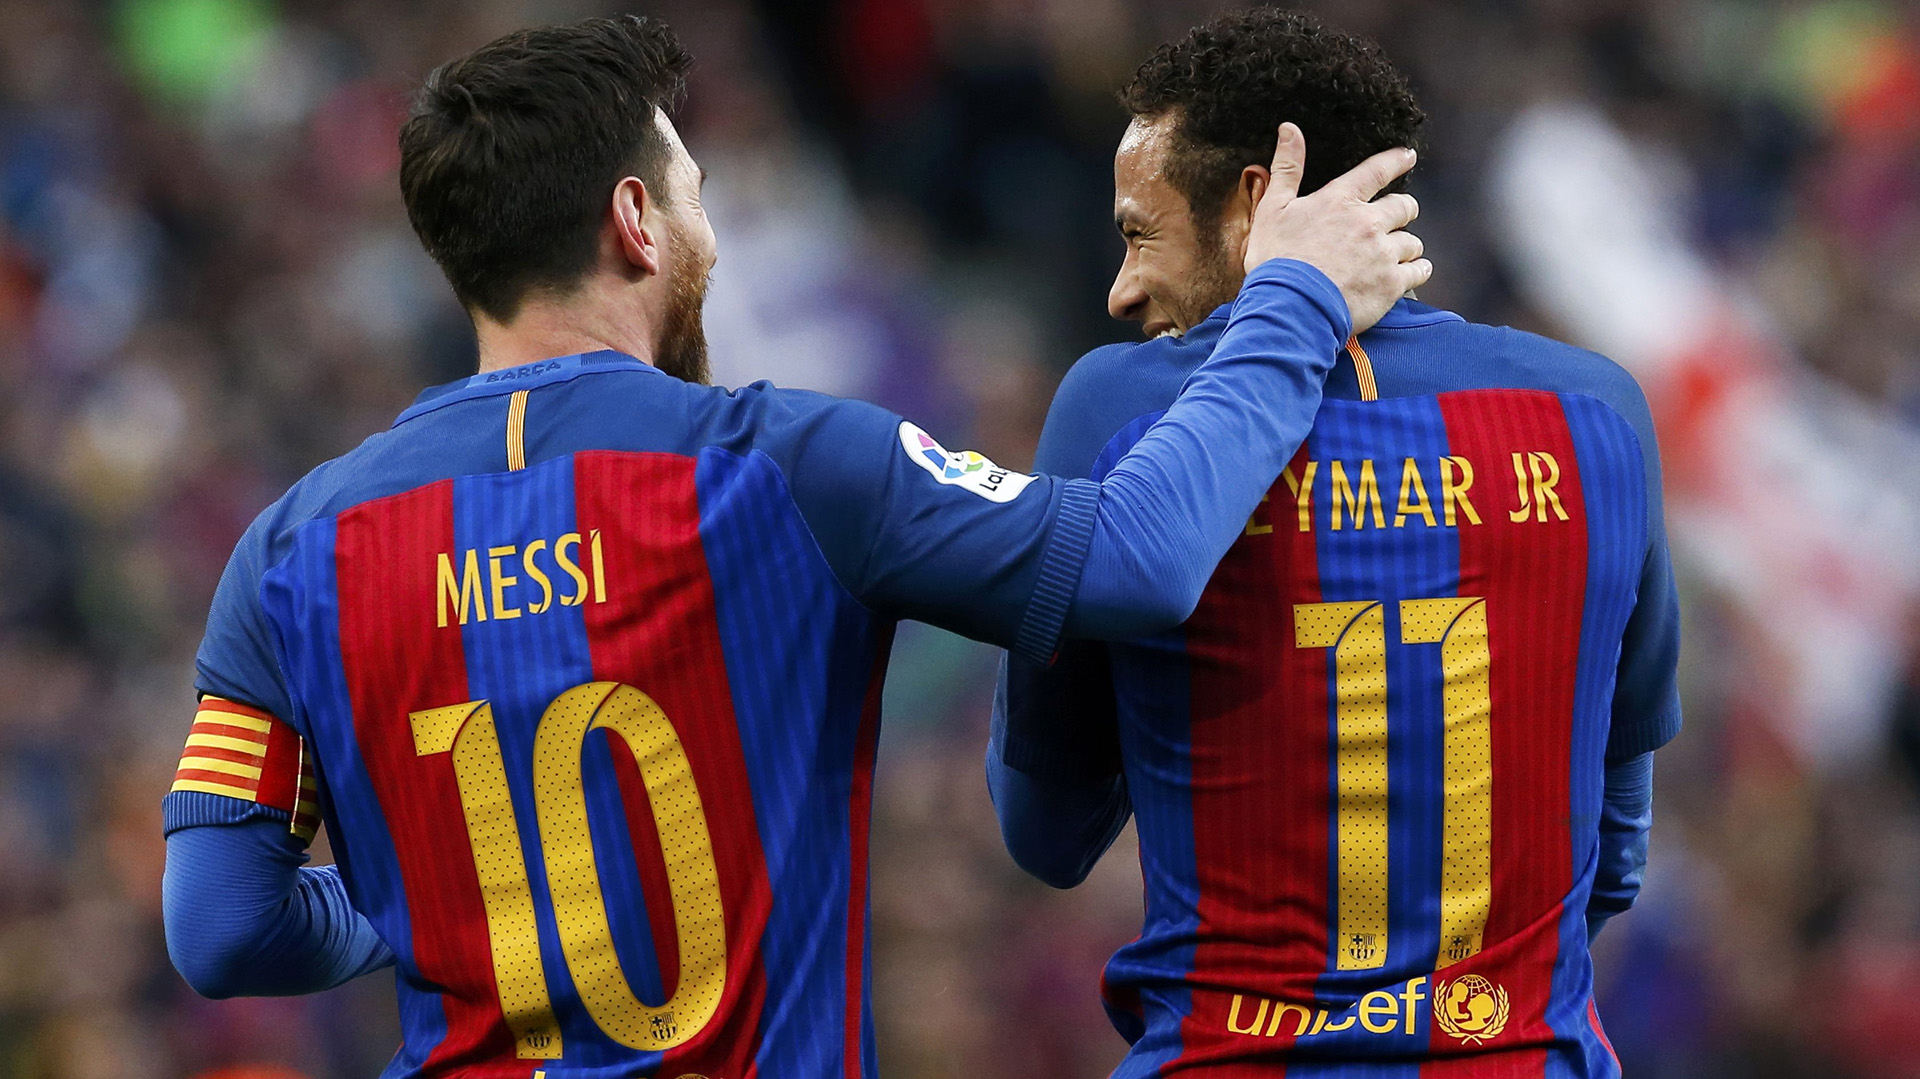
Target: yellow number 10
(467, 732)
(1356, 632)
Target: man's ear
(1236, 217)
(638, 243)
(1253, 184)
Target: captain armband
(238, 751)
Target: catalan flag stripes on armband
(239, 751)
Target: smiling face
(1175, 272)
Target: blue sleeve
(1646, 698)
(236, 657)
(244, 917)
(1053, 763)
(915, 531)
(1053, 757)
(1174, 504)
(1626, 817)
(1060, 722)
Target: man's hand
(1360, 243)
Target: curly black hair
(1233, 81)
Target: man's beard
(682, 351)
(1215, 280)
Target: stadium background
(207, 285)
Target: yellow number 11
(1356, 631)
(467, 732)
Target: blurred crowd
(208, 285)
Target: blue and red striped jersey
(586, 662)
(1367, 773)
(579, 666)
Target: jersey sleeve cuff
(1059, 572)
(1054, 764)
(1625, 743)
(1308, 282)
(194, 809)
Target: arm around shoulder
(1172, 506)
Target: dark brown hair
(509, 153)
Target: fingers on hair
(1232, 81)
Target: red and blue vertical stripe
(714, 605)
(1232, 745)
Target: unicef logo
(1470, 1008)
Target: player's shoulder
(770, 406)
(1126, 379)
(1111, 387)
(1570, 369)
(1567, 368)
(619, 409)
(791, 425)
(1438, 356)
(323, 491)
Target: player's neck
(545, 329)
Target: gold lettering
(1319, 1022)
(1413, 996)
(1368, 496)
(599, 570)
(1233, 1018)
(1543, 494)
(1520, 481)
(1280, 1011)
(539, 577)
(501, 581)
(1302, 489)
(1411, 483)
(1333, 1028)
(1254, 527)
(1382, 1005)
(464, 592)
(571, 568)
(1454, 492)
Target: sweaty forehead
(1144, 145)
(1140, 187)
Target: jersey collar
(1406, 314)
(527, 376)
(1409, 313)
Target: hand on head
(1359, 242)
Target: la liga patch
(966, 470)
